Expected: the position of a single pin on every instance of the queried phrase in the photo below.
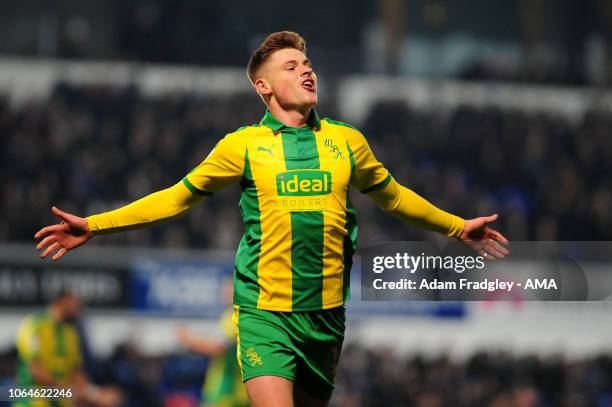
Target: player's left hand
(485, 241)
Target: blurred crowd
(91, 149)
(548, 178)
(380, 378)
(173, 380)
(374, 378)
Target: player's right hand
(70, 233)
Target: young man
(291, 272)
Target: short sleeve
(223, 166)
(368, 174)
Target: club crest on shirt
(334, 149)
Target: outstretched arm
(372, 178)
(74, 231)
(151, 210)
(223, 166)
(198, 344)
(411, 208)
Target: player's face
(291, 79)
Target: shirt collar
(276, 125)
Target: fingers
(49, 249)
(493, 252)
(50, 243)
(59, 213)
(488, 254)
(489, 248)
(495, 236)
(499, 247)
(490, 219)
(499, 237)
(47, 240)
(46, 231)
(59, 254)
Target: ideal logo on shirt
(303, 183)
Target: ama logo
(303, 183)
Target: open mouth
(309, 85)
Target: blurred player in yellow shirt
(223, 386)
(49, 355)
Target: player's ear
(262, 86)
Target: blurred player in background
(223, 385)
(49, 353)
(292, 268)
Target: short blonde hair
(274, 42)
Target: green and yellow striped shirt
(55, 346)
(300, 227)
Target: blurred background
(482, 106)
